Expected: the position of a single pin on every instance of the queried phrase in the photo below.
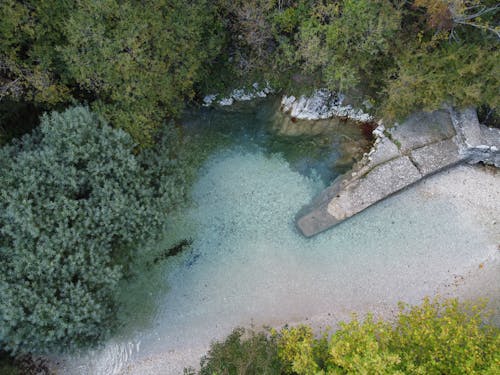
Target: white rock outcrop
(322, 104)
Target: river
(247, 264)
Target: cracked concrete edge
(322, 214)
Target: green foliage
(362, 348)
(349, 42)
(438, 337)
(341, 45)
(403, 55)
(74, 202)
(7, 365)
(445, 338)
(9, 369)
(29, 62)
(457, 74)
(260, 42)
(141, 59)
(442, 58)
(137, 62)
(255, 354)
(134, 61)
(300, 351)
(25, 115)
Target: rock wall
(424, 144)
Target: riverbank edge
(458, 185)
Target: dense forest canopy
(138, 62)
(65, 187)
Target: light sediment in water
(248, 264)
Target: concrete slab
(467, 126)
(376, 185)
(423, 128)
(434, 157)
(424, 144)
(384, 150)
(490, 136)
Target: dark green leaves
(74, 203)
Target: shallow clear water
(256, 126)
(248, 264)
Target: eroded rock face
(350, 138)
(424, 144)
(285, 125)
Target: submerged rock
(424, 144)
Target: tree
(476, 13)
(349, 43)
(441, 59)
(74, 203)
(458, 74)
(140, 59)
(29, 63)
(134, 62)
(242, 353)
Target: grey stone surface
(467, 127)
(477, 142)
(436, 156)
(490, 136)
(316, 221)
(383, 151)
(379, 183)
(424, 144)
(314, 218)
(422, 128)
(322, 104)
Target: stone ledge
(381, 182)
(424, 144)
(422, 128)
(437, 156)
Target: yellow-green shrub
(300, 351)
(438, 337)
(445, 337)
(362, 348)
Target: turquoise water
(255, 126)
(248, 264)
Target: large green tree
(74, 203)
(140, 59)
(448, 52)
(30, 65)
(135, 62)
